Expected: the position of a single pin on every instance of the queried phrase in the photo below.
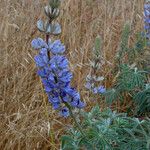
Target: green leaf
(97, 46)
(112, 95)
(124, 42)
(67, 143)
(142, 99)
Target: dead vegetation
(26, 118)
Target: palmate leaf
(95, 112)
(130, 78)
(69, 143)
(109, 131)
(66, 142)
(137, 50)
(112, 95)
(97, 140)
(142, 99)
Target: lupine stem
(51, 134)
(74, 119)
(47, 38)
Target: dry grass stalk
(26, 116)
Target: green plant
(131, 74)
(124, 48)
(130, 79)
(142, 99)
(108, 130)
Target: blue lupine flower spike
(147, 19)
(56, 76)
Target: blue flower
(147, 20)
(99, 90)
(56, 76)
(146, 27)
(96, 90)
(66, 98)
(55, 100)
(147, 6)
(38, 43)
(64, 112)
(42, 73)
(68, 90)
(51, 77)
(43, 51)
(88, 85)
(81, 104)
(57, 47)
(74, 102)
(146, 11)
(56, 105)
(58, 62)
(48, 86)
(65, 76)
(41, 61)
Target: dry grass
(26, 119)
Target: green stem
(74, 119)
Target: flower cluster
(147, 19)
(56, 76)
(92, 79)
(90, 85)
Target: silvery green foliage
(132, 74)
(108, 130)
(142, 100)
(52, 12)
(130, 80)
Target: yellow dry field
(26, 118)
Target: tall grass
(26, 118)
